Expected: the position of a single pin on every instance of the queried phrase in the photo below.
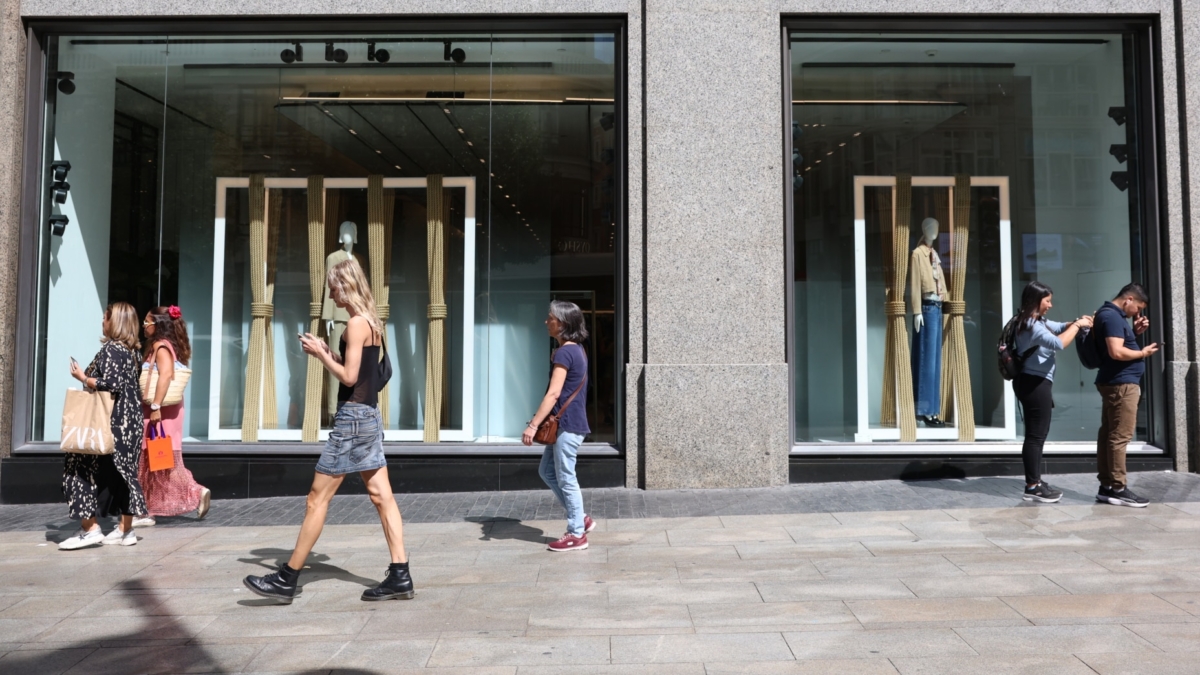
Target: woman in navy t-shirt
(566, 397)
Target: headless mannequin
(335, 317)
(928, 286)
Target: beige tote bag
(87, 423)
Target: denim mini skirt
(356, 442)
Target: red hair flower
(174, 312)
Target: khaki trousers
(1118, 420)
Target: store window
(965, 166)
(224, 174)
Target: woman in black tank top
(355, 443)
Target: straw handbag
(148, 383)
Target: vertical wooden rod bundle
(956, 374)
(898, 405)
(316, 283)
(259, 309)
(270, 413)
(379, 222)
(436, 312)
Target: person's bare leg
(323, 489)
(379, 487)
(88, 524)
(126, 523)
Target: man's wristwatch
(154, 407)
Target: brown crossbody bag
(547, 431)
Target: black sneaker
(397, 585)
(1042, 493)
(279, 585)
(1126, 497)
(1103, 494)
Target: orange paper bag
(159, 450)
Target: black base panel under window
(38, 479)
(840, 469)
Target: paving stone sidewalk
(621, 503)
(868, 578)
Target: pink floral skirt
(169, 492)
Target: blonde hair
(123, 325)
(348, 279)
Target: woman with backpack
(355, 444)
(1038, 339)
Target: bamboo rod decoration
(436, 311)
(956, 374)
(259, 309)
(316, 283)
(270, 413)
(377, 243)
(898, 405)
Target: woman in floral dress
(107, 485)
(169, 492)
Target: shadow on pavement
(497, 529)
(317, 569)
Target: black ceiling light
(58, 224)
(1117, 113)
(379, 55)
(448, 54)
(332, 54)
(797, 160)
(292, 55)
(66, 82)
(796, 133)
(1121, 152)
(59, 187)
(606, 121)
(1120, 179)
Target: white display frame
(466, 433)
(866, 432)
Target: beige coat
(925, 276)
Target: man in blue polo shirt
(1122, 364)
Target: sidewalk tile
(832, 589)
(992, 665)
(154, 660)
(1042, 640)
(867, 644)
(663, 524)
(1189, 602)
(821, 549)
(934, 611)
(780, 520)
(746, 570)
(733, 535)
(434, 622)
(910, 516)
(606, 573)
(617, 669)
(1117, 582)
(116, 628)
(808, 667)
(1170, 638)
(565, 619)
(982, 586)
(281, 622)
(740, 647)
(1082, 609)
(773, 616)
(888, 567)
(519, 651)
(884, 547)
(667, 555)
(1023, 563)
(42, 662)
(1142, 664)
(885, 530)
(680, 594)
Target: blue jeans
(558, 471)
(927, 360)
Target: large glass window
(961, 166)
(224, 174)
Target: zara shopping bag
(87, 423)
(159, 451)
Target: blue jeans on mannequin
(558, 471)
(927, 361)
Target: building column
(12, 136)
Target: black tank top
(365, 389)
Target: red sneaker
(588, 523)
(569, 542)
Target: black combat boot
(397, 585)
(279, 585)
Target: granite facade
(707, 378)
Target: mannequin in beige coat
(928, 292)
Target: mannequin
(928, 284)
(335, 317)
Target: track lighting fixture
(606, 121)
(66, 82)
(797, 160)
(1120, 152)
(456, 55)
(332, 54)
(58, 224)
(797, 182)
(796, 133)
(292, 55)
(59, 187)
(1117, 113)
(60, 169)
(1120, 179)
(378, 55)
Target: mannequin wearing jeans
(928, 286)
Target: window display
(933, 176)
(472, 176)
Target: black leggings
(1037, 402)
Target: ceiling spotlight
(379, 55)
(66, 82)
(58, 191)
(1117, 113)
(292, 55)
(1121, 152)
(1120, 179)
(796, 132)
(606, 121)
(797, 159)
(332, 54)
(797, 182)
(448, 54)
(58, 224)
(60, 169)
(266, 157)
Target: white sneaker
(82, 539)
(144, 521)
(119, 538)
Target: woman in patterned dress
(107, 485)
(169, 492)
